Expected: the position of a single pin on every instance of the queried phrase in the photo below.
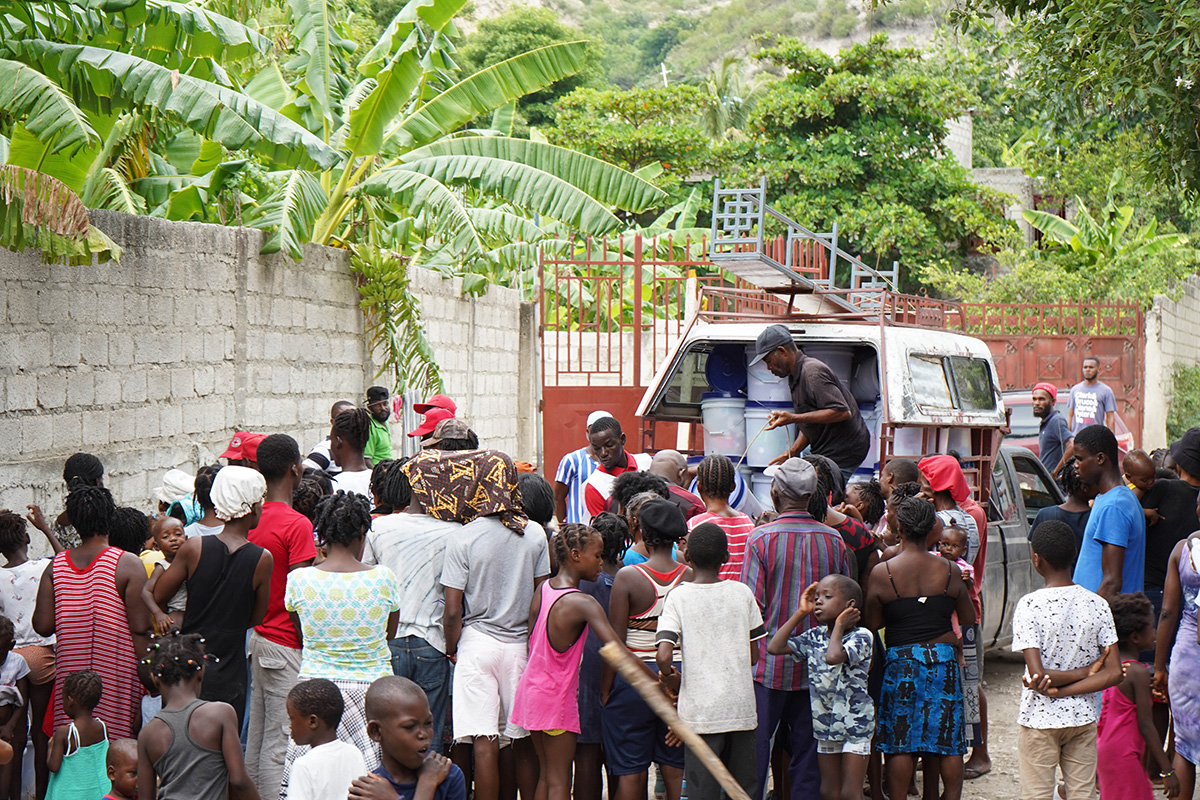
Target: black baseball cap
(376, 394)
(774, 336)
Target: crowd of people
(346, 624)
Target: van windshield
(943, 383)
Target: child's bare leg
(1186, 772)
(507, 762)
(555, 754)
(588, 784)
(854, 770)
(632, 787)
(39, 702)
(875, 774)
(487, 767)
(526, 767)
(673, 780)
(980, 763)
(830, 765)
(951, 770)
(899, 773)
(10, 771)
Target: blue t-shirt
(1116, 518)
(453, 788)
(1052, 440)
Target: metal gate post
(637, 310)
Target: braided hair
(379, 474)
(615, 531)
(343, 517)
(1068, 476)
(90, 509)
(12, 531)
(83, 469)
(715, 476)
(307, 497)
(904, 491)
(916, 517)
(573, 536)
(635, 505)
(176, 657)
(395, 489)
(818, 501)
(354, 426)
(84, 687)
(129, 530)
(203, 485)
(537, 498)
(871, 493)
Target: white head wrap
(235, 491)
(176, 485)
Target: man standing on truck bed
(825, 411)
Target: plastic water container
(872, 416)
(760, 484)
(762, 386)
(838, 357)
(724, 417)
(765, 446)
(726, 368)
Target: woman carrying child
(915, 594)
(190, 750)
(547, 703)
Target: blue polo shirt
(1116, 518)
(1053, 436)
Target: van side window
(1033, 488)
(942, 383)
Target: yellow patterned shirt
(343, 617)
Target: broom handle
(624, 663)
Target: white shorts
(485, 684)
(853, 747)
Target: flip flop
(971, 773)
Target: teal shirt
(379, 444)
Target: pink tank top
(547, 695)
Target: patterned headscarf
(461, 486)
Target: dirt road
(1002, 683)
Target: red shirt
(598, 487)
(288, 535)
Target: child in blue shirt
(839, 656)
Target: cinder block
(137, 307)
(30, 351)
(20, 392)
(10, 433)
(21, 303)
(93, 348)
(170, 419)
(133, 387)
(181, 384)
(120, 348)
(81, 388)
(64, 350)
(54, 306)
(158, 385)
(281, 380)
(51, 390)
(202, 380)
(68, 431)
(37, 433)
(95, 427)
(193, 419)
(108, 388)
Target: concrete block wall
(155, 361)
(1014, 182)
(1172, 337)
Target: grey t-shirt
(1089, 405)
(495, 570)
(413, 546)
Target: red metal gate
(1032, 343)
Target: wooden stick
(624, 663)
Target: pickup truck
(1021, 487)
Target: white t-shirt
(18, 596)
(196, 529)
(713, 624)
(326, 771)
(1071, 627)
(12, 670)
(359, 482)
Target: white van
(919, 391)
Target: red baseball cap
(432, 417)
(243, 445)
(437, 401)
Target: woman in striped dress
(90, 599)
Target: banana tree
(1103, 239)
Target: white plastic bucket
(762, 386)
(838, 357)
(760, 484)
(766, 445)
(724, 425)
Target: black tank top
(219, 606)
(912, 620)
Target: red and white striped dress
(93, 633)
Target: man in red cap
(243, 449)
(433, 416)
(1055, 443)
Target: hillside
(689, 36)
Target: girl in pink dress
(1126, 731)
(547, 702)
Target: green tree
(1134, 61)
(520, 30)
(856, 139)
(656, 128)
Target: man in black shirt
(826, 414)
(1176, 518)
